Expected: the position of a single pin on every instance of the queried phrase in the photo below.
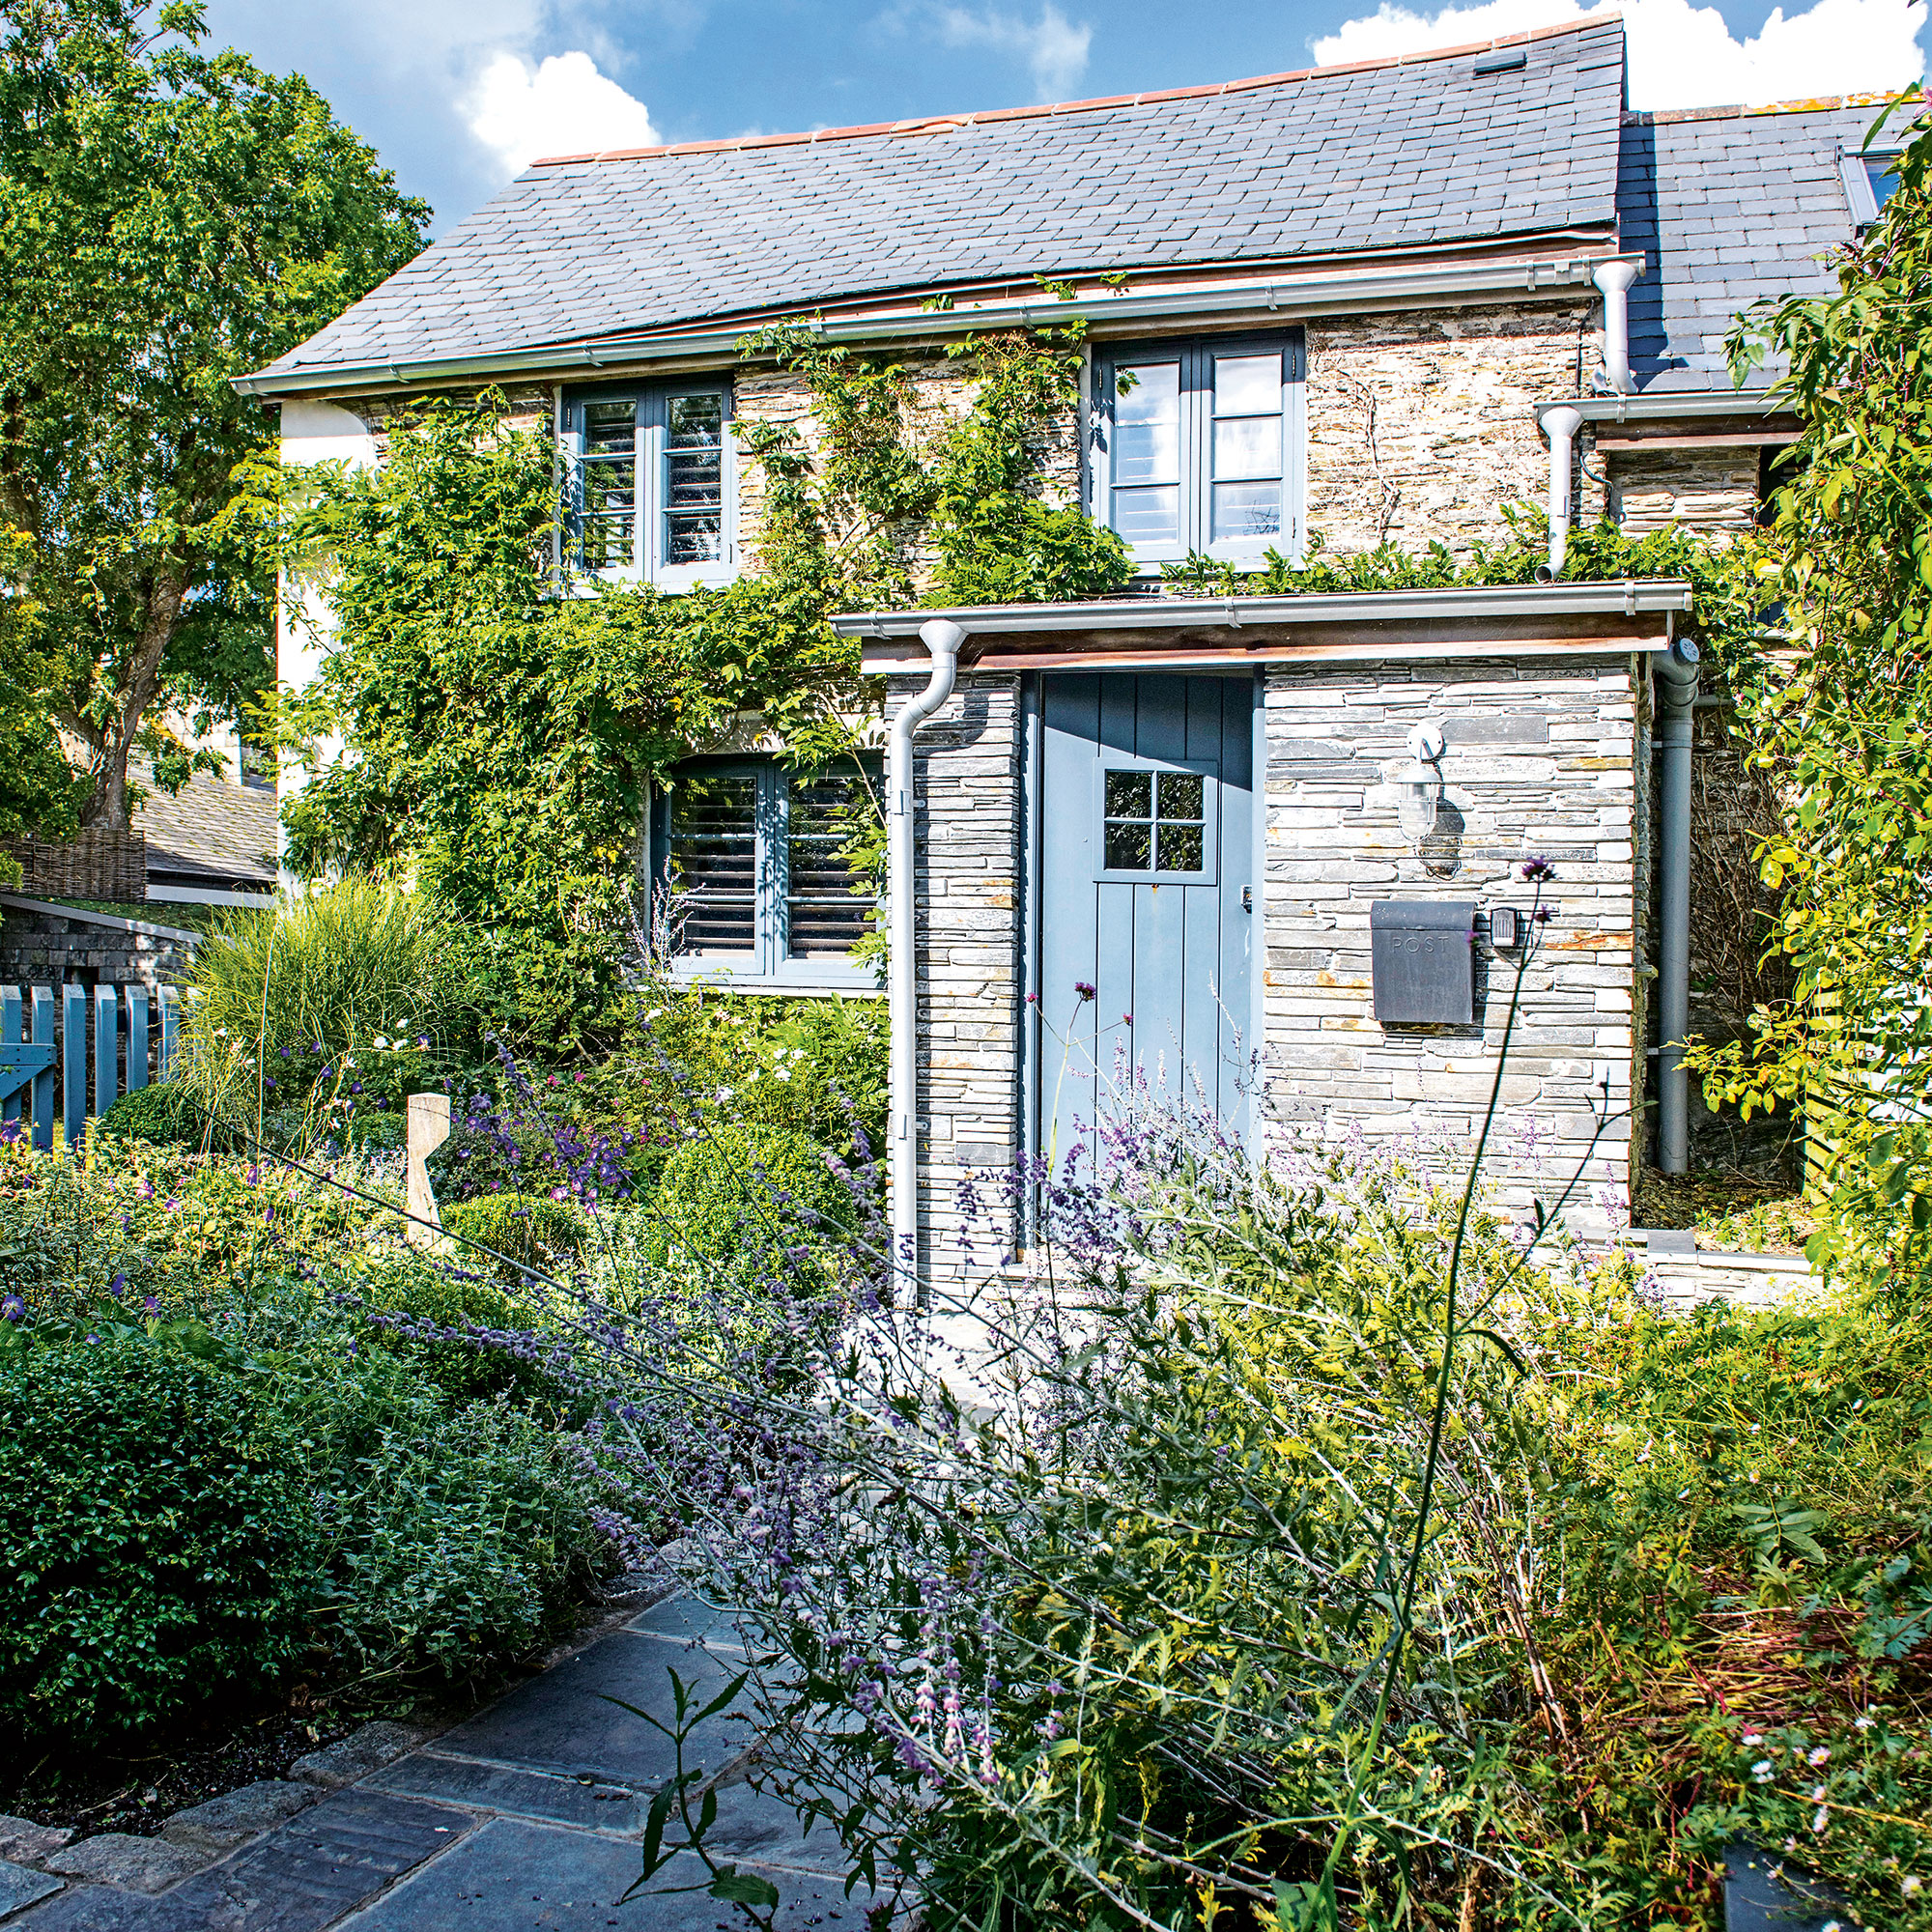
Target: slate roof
(1727, 204)
(1408, 153)
(212, 833)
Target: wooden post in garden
(429, 1128)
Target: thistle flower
(1537, 870)
(1081, 988)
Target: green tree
(1849, 733)
(170, 219)
(38, 791)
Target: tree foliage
(38, 792)
(170, 219)
(1848, 730)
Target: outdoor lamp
(1419, 784)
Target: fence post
(43, 1082)
(9, 1034)
(107, 1049)
(74, 1066)
(138, 1037)
(429, 1128)
(170, 1027)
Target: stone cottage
(1379, 302)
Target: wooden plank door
(1146, 897)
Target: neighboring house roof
(212, 833)
(1412, 152)
(1728, 205)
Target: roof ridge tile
(927, 124)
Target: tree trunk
(106, 805)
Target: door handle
(1247, 898)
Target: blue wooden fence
(44, 1053)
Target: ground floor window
(757, 872)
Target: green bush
(166, 1115)
(528, 1227)
(744, 1191)
(150, 1550)
(462, 1370)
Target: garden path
(524, 1818)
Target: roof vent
(1504, 60)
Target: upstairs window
(1197, 446)
(752, 875)
(1870, 182)
(652, 487)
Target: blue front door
(1146, 897)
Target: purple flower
(1127, 1018)
(1081, 988)
(12, 1309)
(152, 1304)
(115, 1286)
(285, 1053)
(1537, 870)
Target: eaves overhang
(1286, 297)
(1679, 405)
(1490, 621)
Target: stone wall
(1709, 490)
(1422, 426)
(45, 946)
(968, 831)
(1540, 759)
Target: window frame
(1195, 355)
(1207, 769)
(768, 964)
(650, 418)
(1855, 171)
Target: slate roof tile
(587, 247)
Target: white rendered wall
(305, 628)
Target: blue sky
(458, 94)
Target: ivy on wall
(499, 737)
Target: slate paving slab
(565, 1722)
(304, 1875)
(20, 1888)
(514, 1876)
(686, 1618)
(592, 1804)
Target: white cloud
(1053, 48)
(562, 106)
(1681, 55)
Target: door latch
(1247, 898)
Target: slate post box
(1424, 964)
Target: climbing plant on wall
(500, 727)
(1849, 557)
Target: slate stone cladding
(1422, 426)
(967, 789)
(1393, 154)
(1713, 491)
(1540, 759)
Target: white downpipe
(943, 639)
(1614, 279)
(1560, 424)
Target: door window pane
(695, 479)
(714, 861)
(1180, 848)
(824, 914)
(1129, 794)
(1129, 848)
(1182, 794)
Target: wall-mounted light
(1418, 785)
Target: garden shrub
(151, 1552)
(426, 1314)
(455, 1539)
(163, 1114)
(739, 1191)
(528, 1227)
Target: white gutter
(1627, 597)
(1614, 279)
(1666, 404)
(1286, 298)
(1560, 424)
(942, 638)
